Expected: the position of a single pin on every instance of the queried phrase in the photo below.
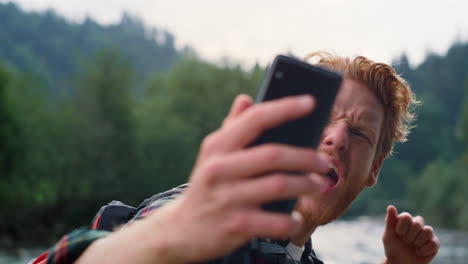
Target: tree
(439, 192)
(105, 142)
(464, 118)
(8, 129)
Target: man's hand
(407, 240)
(221, 209)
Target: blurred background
(104, 100)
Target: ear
(374, 173)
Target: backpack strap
(112, 215)
(117, 213)
(167, 195)
(266, 247)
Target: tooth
(332, 166)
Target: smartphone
(288, 76)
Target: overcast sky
(255, 30)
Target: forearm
(144, 241)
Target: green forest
(92, 113)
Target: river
(342, 242)
(359, 242)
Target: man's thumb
(391, 219)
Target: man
(220, 211)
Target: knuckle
(417, 226)
(431, 246)
(257, 112)
(406, 215)
(237, 222)
(272, 154)
(209, 141)
(419, 219)
(212, 168)
(427, 231)
(223, 201)
(279, 184)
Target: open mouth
(332, 175)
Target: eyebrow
(365, 120)
(371, 129)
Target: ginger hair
(393, 92)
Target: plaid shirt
(71, 246)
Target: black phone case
(286, 77)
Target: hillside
(49, 47)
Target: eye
(360, 134)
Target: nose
(335, 137)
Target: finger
(403, 224)
(391, 219)
(241, 102)
(424, 236)
(244, 129)
(430, 248)
(415, 228)
(264, 159)
(274, 187)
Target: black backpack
(257, 251)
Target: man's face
(350, 142)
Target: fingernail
(317, 180)
(297, 227)
(243, 97)
(306, 101)
(297, 216)
(323, 163)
